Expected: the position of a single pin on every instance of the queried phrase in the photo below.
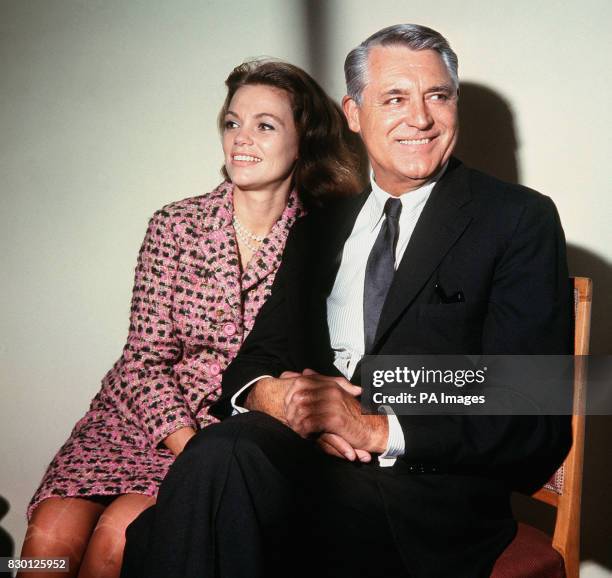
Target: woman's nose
(243, 136)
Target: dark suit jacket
(502, 245)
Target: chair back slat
(564, 489)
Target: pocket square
(456, 297)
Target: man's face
(407, 118)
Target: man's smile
(420, 141)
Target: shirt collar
(410, 202)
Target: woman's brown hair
(328, 160)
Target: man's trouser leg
(249, 498)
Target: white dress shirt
(345, 302)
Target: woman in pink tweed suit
(205, 268)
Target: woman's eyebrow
(276, 118)
(259, 115)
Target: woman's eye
(230, 124)
(265, 126)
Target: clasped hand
(327, 409)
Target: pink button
(229, 329)
(214, 369)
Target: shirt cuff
(396, 444)
(236, 409)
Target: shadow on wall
(315, 14)
(7, 546)
(488, 142)
(487, 139)
(317, 27)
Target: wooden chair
(531, 553)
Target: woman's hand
(176, 441)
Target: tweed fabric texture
(556, 483)
(192, 308)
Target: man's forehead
(397, 62)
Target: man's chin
(421, 170)
(417, 176)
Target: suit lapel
(443, 220)
(220, 248)
(218, 244)
(267, 258)
(339, 223)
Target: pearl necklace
(245, 235)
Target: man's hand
(332, 443)
(268, 395)
(335, 445)
(318, 404)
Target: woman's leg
(60, 527)
(105, 550)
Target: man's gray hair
(412, 36)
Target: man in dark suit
(433, 258)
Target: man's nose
(418, 115)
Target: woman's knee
(105, 550)
(62, 523)
(61, 527)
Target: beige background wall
(107, 112)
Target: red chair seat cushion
(529, 555)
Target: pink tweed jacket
(191, 309)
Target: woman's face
(260, 140)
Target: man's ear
(351, 111)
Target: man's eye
(394, 100)
(439, 96)
(229, 124)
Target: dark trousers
(250, 498)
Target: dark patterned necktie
(380, 270)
